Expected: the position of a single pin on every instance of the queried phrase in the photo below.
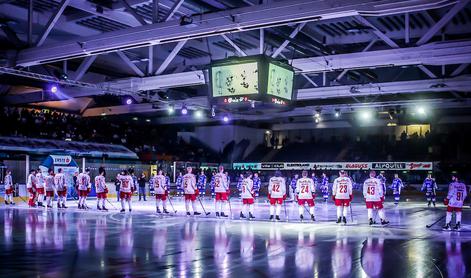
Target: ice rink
(75, 243)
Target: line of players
(40, 186)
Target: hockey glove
(446, 201)
(333, 198)
(284, 197)
(351, 198)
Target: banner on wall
(386, 166)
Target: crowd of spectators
(139, 136)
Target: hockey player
(101, 189)
(454, 201)
(382, 178)
(305, 193)
(50, 187)
(247, 195)
(211, 184)
(31, 187)
(202, 182)
(161, 191)
(342, 195)
(430, 187)
(228, 179)
(292, 185)
(167, 182)
(256, 184)
(396, 187)
(221, 188)
(178, 183)
(61, 188)
(374, 198)
(325, 187)
(151, 184)
(276, 194)
(126, 190)
(40, 187)
(84, 187)
(8, 182)
(190, 190)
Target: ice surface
(76, 243)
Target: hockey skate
(49, 206)
(6, 203)
(196, 213)
(371, 221)
(166, 211)
(224, 215)
(429, 203)
(457, 226)
(384, 222)
(98, 207)
(188, 213)
(130, 210)
(122, 210)
(277, 218)
(271, 217)
(158, 210)
(301, 217)
(446, 227)
(339, 220)
(344, 220)
(242, 215)
(217, 214)
(40, 204)
(79, 206)
(63, 206)
(251, 216)
(12, 204)
(104, 208)
(313, 218)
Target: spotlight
(317, 114)
(366, 115)
(184, 110)
(148, 120)
(171, 109)
(337, 113)
(225, 119)
(198, 114)
(128, 101)
(317, 120)
(54, 89)
(421, 111)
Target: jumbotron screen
(235, 80)
(280, 82)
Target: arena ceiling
(346, 53)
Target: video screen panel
(280, 82)
(235, 80)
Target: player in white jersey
(126, 189)
(248, 195)
(190, 190)
(276, 194)
(61, 188)
(342, 195)
(8, 182)
(222, 191)
(374, 198)
(160, 191)
(305, 193)
(84, 187)
(454, 201)
(101, 189)
(31, 187)
(40, 187)
(50, 187)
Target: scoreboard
(239, 82)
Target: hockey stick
(438, 220)
(201, 203)
(286, 214)
(170, 201)
(111, 204)
(351, 212)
